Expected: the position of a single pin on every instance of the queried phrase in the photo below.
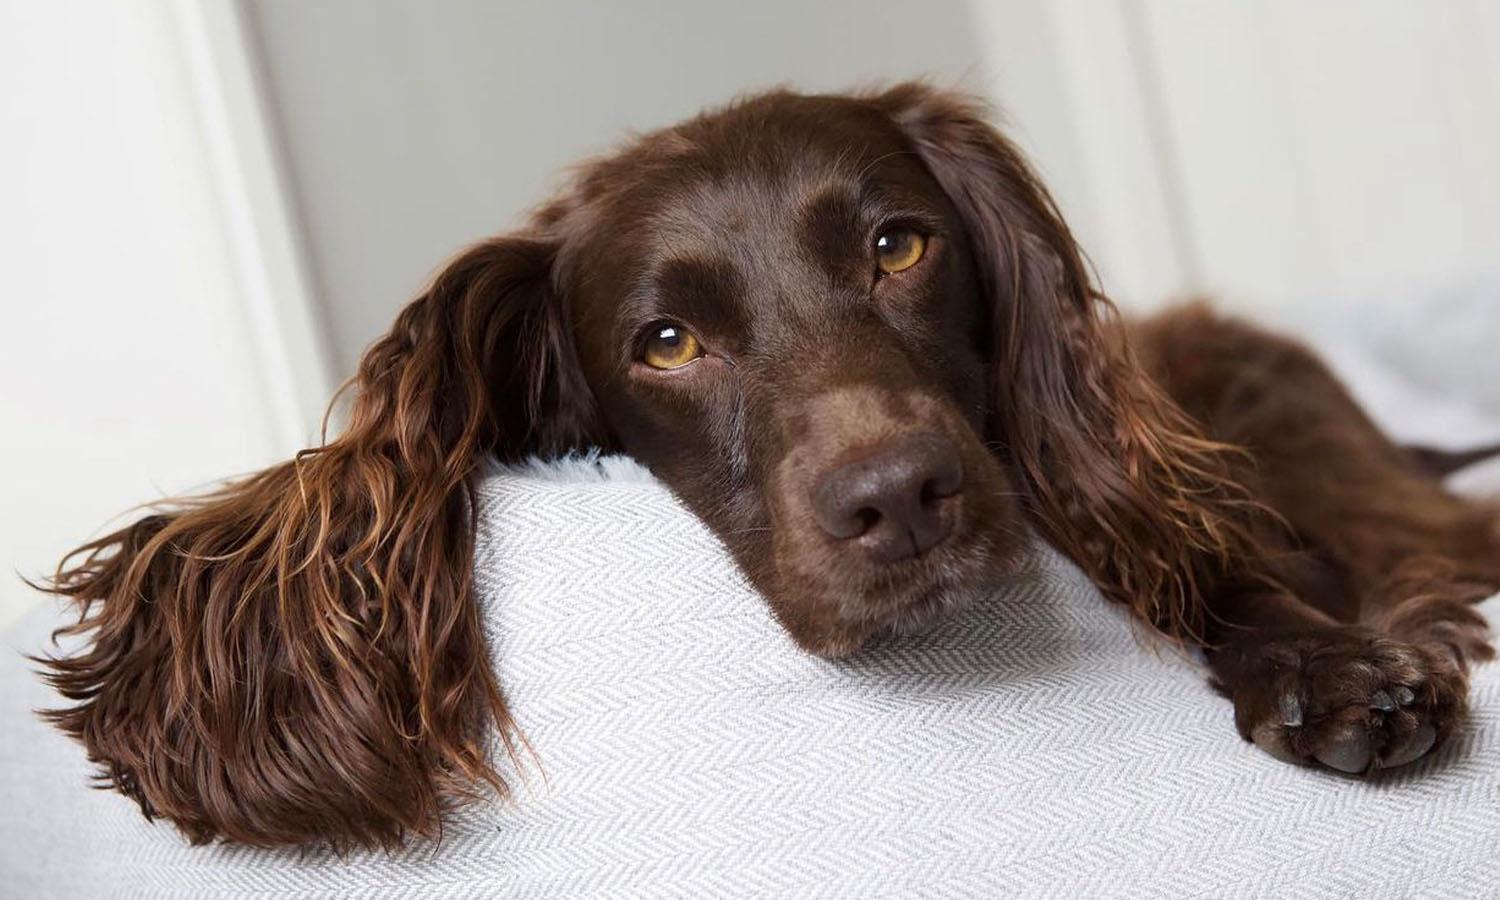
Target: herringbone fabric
(1032, 746)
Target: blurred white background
(209, 207)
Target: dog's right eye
(670, 346)
(899, 249)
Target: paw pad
(1349, 700)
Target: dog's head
(777, 309)
(835, 326)
(852, 333)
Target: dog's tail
(1438, 462)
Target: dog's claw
(1291, 710)
(1351, 755)
(1383, 702)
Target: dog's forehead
(751, 213)
(757, 166)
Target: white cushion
(1031, 746)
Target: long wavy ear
(298, 657)
(1115, 475)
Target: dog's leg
(1361, 659)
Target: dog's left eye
(670, 347)
(898, 250)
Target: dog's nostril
(891, 501)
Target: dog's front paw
(1346, 698)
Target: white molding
(255, 206)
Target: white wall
(1350, 147)
(1338, 165)
(128, 367)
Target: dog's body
(854, 336)
(1358, 658)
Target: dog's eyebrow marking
(829, 219)
(692, 280)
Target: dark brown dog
(855, 337)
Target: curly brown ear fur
(299, 657)
(1114, 474)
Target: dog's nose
(892, 502)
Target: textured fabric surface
(683, 747)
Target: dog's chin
(910, 617)
(834, 601)
(919, 616)
(865, 618)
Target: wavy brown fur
(299, 655)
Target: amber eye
(898, 250)
(670, 347)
